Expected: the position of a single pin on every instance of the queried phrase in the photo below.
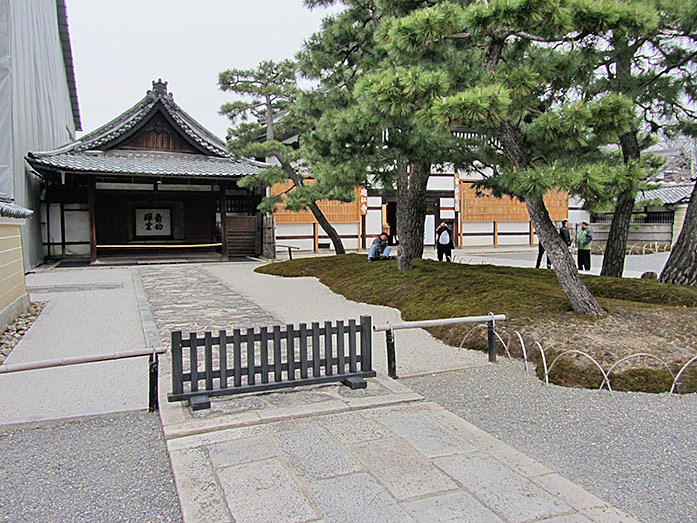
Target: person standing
(565, 233)
(584, 240)
(540, 253)
(444, 242)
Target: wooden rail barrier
(269, 358)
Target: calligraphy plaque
(153, 222)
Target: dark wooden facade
(160, 185)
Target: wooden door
(243, 236)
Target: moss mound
(644, 315)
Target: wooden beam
(93, 225)
(223, 222)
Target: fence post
(391, 359)
(491, 341)
(496, 233)
(153, 404)
(366, 343)
(177, 370)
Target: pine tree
(519, 69)
(644, 50)
(266, 113)
(359, 139)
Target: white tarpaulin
(36, 107)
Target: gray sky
(119, 47)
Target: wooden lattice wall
(336, 212)
(489, 208)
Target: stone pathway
(187, 298)
(327, 453)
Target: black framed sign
(153, 223)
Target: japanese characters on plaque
(153, 222)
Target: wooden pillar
(532, 234)
(62, 213)
(223, 223)
(363, 220)
(93, 225)
(496, 233)
(315, 233)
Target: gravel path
(110, 468)
(636, 451)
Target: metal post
(153, 404)
(391, 358)
(492, 341)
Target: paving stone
(264, 491)
(402, 470)
(426, 435)
(357, 498)
(217, 436)
(454, 507)
(240, 451)
(500, 488)
(298, 397)
(199, 495)
(352, 427)
(313, 454)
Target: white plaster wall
(441, 183)
(430, 230)
(521, 227)
(373, 221)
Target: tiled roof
(146, 163)
(9, 209)
(157, 96)
(669, 193)
(95, 152)
(64, 35)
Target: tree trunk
(580, 298)
(616, 247)
(314, 208)
(411, 210)
(681, 267)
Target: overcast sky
(120, 47)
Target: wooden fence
(269, 358)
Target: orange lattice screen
(336, 212)
(489, 208)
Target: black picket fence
(268, 358)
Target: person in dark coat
(444, 242)
(565, 233)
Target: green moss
(527, 297)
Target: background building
(39, 103)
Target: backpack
(444, 238)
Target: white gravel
(637, 451)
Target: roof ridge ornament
(159, 90)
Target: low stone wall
(661, 233)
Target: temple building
(150, 183)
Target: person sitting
(379, 250)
